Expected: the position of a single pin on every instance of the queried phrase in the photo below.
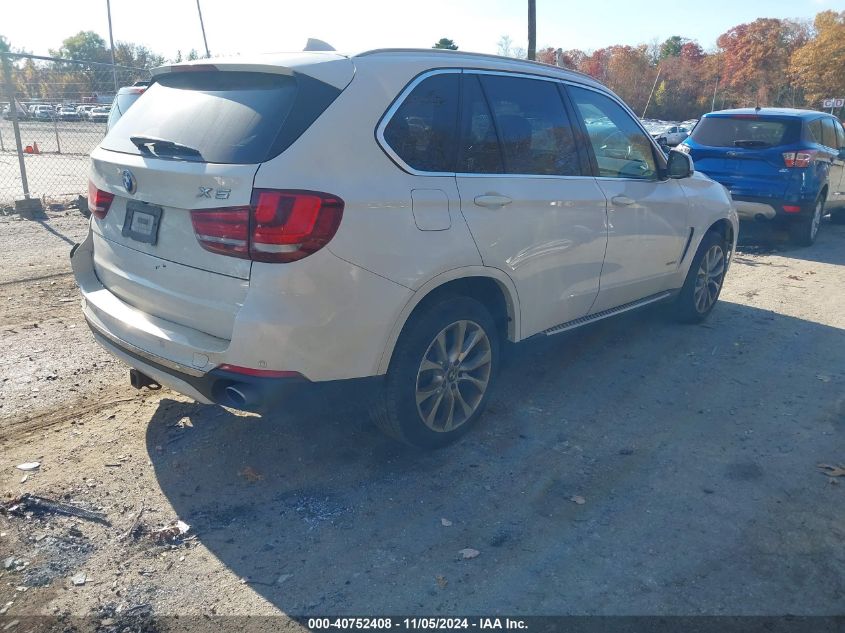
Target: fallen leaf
(250, 474)
(578, 499)
(441, 581)
(468, 553)
(832, 471)
(795, 277)
(29, 466)
(445, 522)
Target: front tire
(441, 374)
(805, 230)
(704, 280)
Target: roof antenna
(313, 44)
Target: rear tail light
(799, 159)
(791, 208)
(99, 201)
(278, 226)
(224, 231)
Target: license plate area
(141, 222)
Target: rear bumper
(750, 208)
(209, 388)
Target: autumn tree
(819, 65)
(755, 59)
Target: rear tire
(704, 280)
(805, 230)
(441, 374)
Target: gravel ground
(633, 467)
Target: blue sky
(254, 26)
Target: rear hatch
(193, 141)
(744, 152)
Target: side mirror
(679, 165)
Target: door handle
(622, 201)
(492, 200)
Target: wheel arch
(490, 286)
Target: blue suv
(780, 164)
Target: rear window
(226, 117)
(746, 131)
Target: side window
(534, 131)
(815, 128)
(840, 135)
(480, 152)
(423, 130)
(621, 148)
(828, 133)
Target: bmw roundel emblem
(128, 181)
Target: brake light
(290, 225)
(99, 201)
(799, 159)
(224, 231)
(791, 208)
(278, 226)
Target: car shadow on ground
(759, 239)
(635, 466)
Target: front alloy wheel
(708, 279)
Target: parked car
(780, 164)
(123, 100)
(85, 110)
(672, 135)
(43, 113)
(394, 216)
(68, 113)
(100, 115)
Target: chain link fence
(54, 112)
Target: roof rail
(445, 51)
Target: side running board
(598, 316)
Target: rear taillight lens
(99, 201)
(290, 225)
(799, 159)
(278, 226)
(224, 231)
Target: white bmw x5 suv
(397, 214)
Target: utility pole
(111, 45)
(653, 86)
(532, 29)
(715, 88)
(202, 26)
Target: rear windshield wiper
(159, 145)
(750, 144)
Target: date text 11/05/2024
(434, 623)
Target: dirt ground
(633, 467)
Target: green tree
(671, 47)
(84, 46)
(446, 43)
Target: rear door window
(828, 133)
(840, 135)
(534, 130)
(224, 116)
(424, 129)
(479, 152)
(749, 131)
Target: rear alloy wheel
(704, 280)
(804, 230)
(441, 374)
